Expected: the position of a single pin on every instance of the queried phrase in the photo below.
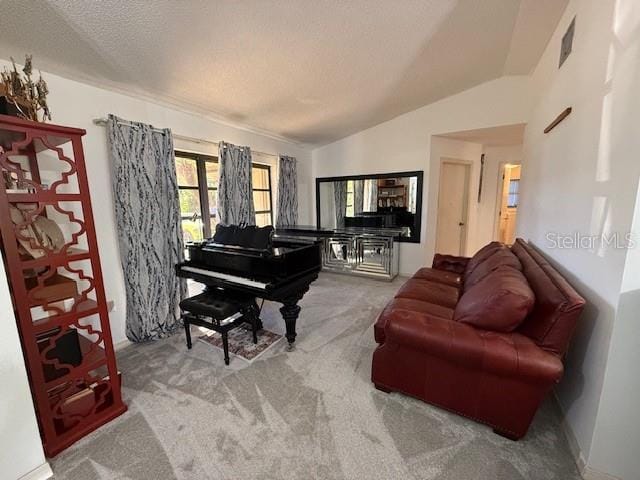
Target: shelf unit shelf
(71, 255)
(68, 348)
(86, 308)
(391, 194)
(45, 196)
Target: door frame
(469, 166)
(500, 191)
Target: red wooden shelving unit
(68, 348)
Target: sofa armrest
(450, 263)
(504, 354)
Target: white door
(453, 202)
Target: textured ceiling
(307, 70)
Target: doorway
(453, 207)
(508, 199)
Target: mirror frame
(418, 173)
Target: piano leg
(187, 331)
(290, 312)
(256, 310)
(225, 346)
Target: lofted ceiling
(310, 71)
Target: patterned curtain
(147, 212)
(287, 192)
(340, 198)
(358, 197)
(235, 192)
(370, 195)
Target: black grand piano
(250, 260)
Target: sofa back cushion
(481, 255)
(501, 257)
(558, 306)
(498, 302)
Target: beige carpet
(311, 413)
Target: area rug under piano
(241, 341)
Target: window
(198, 192)
(261, 180)
(514, 186)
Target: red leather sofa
(482, 337)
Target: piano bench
(216, 311)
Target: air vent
(567, 42)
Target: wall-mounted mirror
(378, 201)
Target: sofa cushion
(450, 263)
(428, 291)
(481, 255)
(507, 355)
(500, 258)
(420, 306)
(498, 302)
(440, 276)
(558, 305)
(408, 305)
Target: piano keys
(276, 269)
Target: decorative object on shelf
(8, 180)
(15, 185)
(36, 233)
(28, 96)
(56, 283)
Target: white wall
(583, 177)
(20, 445)
(616, 440)
(77, 104)
(404, 143)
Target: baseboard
(43, 472)
(591, 474)
(585, 471)
(122, 344)
(574, 447)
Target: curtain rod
(103, 122)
